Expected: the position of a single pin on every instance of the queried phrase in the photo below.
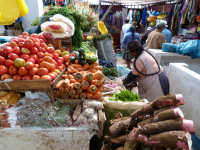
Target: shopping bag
(9, 12)
(23, 8)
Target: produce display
(89, 48)
(157, 125)
(82, 79)
(27, 57)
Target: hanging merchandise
(130, 14)
(144, 16)
(11, 10)
(60, 2)
(116, 19)
(162, 15)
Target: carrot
(100, 89)
(96, 63)
(66, 83)
(99, 99)
(61, 89)
(64, 95)
(72, 81)
(84, 73)
(89, 95)
(66, 90)
(69, 70)
(95, 82)
(77, 85)
(70, 76)
(76, 61)
(76, 65)
(85, 67)
(97, 95)
(98, 75)
(91, 66)
(64, 76)
(79, 69)
(78, 91)
(71, 92)
(56, 93)
(101, 82)
(88, 77)
(76, 96)
(59, 84)
(67, 58)
(82, 96)
(92, 89)
(98, 68)
(67, 63)
(72, 69)
(78, 77)
(94, 70)
(71, 86)
(84, 85)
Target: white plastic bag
(58, 27)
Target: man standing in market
(167, 33)
(156, 38)
(126, 26)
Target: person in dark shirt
(145, 36)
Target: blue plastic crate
(118, 55)
(195, 142)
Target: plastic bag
(50, 34)
(23, 8)
(58, 27)
(9, 12)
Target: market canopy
(129, 2)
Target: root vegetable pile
(83, 78)
(157, 125)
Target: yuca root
(118, 119)
(163, 109)
(172, 139)
(144, 122)
(116, 140)
(131, 145)
(169, 114)
(168, 125)
(120, 127)
(163, 101)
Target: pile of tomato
(28, 57)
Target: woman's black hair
(132, 29)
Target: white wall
(35, 11)
(186, 82)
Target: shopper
(134, 23)
(145, 36)
(132, 35)
(126, 26)
(156, 38)
(152, 80)
(167, 33)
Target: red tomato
(16, 50)
(21, 45)
(6, 76)
(55, 56)
(24, 56)
(42, 71)
(17, 77)
(31, 60)
(52, 68)
(25, 34)
(12, 44)
(62, 59)
(40, 36)
(45, 64)
(28, 44)
(1, 53)
(36, 65)
(36, 77)
(66, 58)
(59, 68)
(37, 41)
(9, 63)
(55, 63)
(29, 65)
(2, 60)
(33, 71)
(25, 51)
(13, 56)
(37, 45)
(12, 70)
(41, 41)
(7, 50)
(46, 77)
(59, 62)
(27, 77)
(22, 71)
(48, 59)
(40, 61)
(3, 69)
(42, 50)
(32, 39)
(43, 45)
(21, 40)
(34, 35)
(15, 39)
(34, 50)
(19, 36)
(40, 55)
(48, 54)
(52, 75)
(34, 56)
(50, 50)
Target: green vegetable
(82, 61)
(81, 51)
(85, 57)
(92, 60)
(125, 96)
(72, 59)
(76, 53)
(110, 71)
(89, 46)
